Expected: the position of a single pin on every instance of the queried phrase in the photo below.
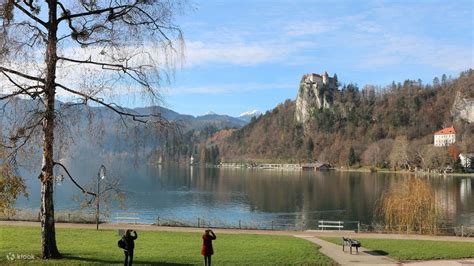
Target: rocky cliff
(316, 91)
(463, 108)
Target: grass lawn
(401, 249)
(84, 246)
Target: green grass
(84, 246)
(402, 249)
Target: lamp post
(100, 176)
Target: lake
(257, 198)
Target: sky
(245, 55)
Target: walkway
(364, 257)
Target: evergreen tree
(443, 80)
(309, 148)
(436, 83)
(352, 157)
(457, 167)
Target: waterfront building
(445, 137)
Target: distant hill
(219, 121)
(87, 130)
(389, 126)
(247, 116)
(190, 122)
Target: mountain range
(201, 121)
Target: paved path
(465, 262)
(364, 257)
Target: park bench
(350, 243)
(331, 224)
(127, 217)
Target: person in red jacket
(206, 249)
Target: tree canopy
(86, 52)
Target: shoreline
(313, 233)
(386, 171)
(299, 168)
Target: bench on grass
(350, 243)
(127, 217)
(331, 225)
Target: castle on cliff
(316, 91)
(313, 78)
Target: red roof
(446, 131)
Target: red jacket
(206, 249)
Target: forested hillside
(390, 126)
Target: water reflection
(230, 195)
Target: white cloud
(410, 50)
(302, 28)
(241, 54)
(227, 88)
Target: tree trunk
(48, 234)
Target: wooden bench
(350, 243)
(331, 224)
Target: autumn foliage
(409, 206)
(388, 126)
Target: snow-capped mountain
(247, 116)
(209, 113)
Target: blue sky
(245, 55)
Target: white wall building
(467, 160)
(445, 137)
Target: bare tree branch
(73, 180)
(26, 76)
(25, 133)
(22, 90)
(96, 12)
(133, 72)
(117, 109)
(35, 18)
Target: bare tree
(86, 51)
(399, 155)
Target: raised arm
(135, 235)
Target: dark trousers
(207, 260)
(128, 257)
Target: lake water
(258, 197)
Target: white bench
(331, 224)
(127, 217)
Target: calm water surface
(257, 197)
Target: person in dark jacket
(206, 249)
(129, 246)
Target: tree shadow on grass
(118, 261)
(97, 260)
(159, 263)
(376, 252)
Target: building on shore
(445, 137)
(315, 167)
(467, 160)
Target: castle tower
(325, 78)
